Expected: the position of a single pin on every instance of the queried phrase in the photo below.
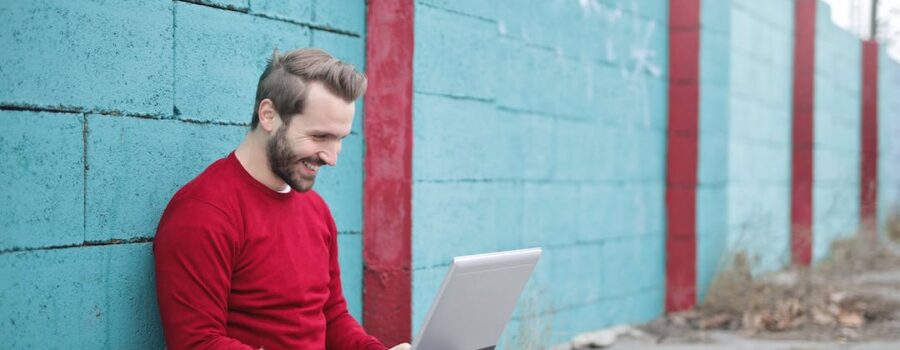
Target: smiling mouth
(311, 166)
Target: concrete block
(574, 79)
(742, 71)
(88, 55)
(448, 147)
(344, 47)
(638, 102)
(487, 10)
(537, 298)
(757, 226)
(656, 103)
(515, 74)
(294, 10)
(834, 166)
(616, 256)
(715, 58)
(889, 134)
(579, 33)
(444, 62)
(505, 221)
(652, 151)
(513, 137)
(737, 161)
(540, 160)
(713, 158)
(425, 285)
(348, 15)
(43, 179)
(459, 218)
(578, 152)
(565, 289)
(637, 209)
(525, 23)
(640, 155)
(85, 298)
(618, 216)
(657, 10)
(533, 332)
(781, 156)
(594, 205)
(342, 186)
(130, 180)
(219, 56)
(605, 144)
(350, 259)
(712, 231)
(648, 260)
(550, 214)
(715, 16)
(652, 207)
(779, 122)
(835, 215)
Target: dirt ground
(849, 301)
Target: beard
(283, 161)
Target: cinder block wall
(107, 108)
(714, 131)
(759, 141)
(535, 123)
(543, 124)
(837, 108)
(888, 137)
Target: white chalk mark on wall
(589, 6)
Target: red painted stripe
(387, 202)
(868, 191)
(681, 158)
(803, 123)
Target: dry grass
(822, 303)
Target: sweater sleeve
(342, 331)
(194, 250)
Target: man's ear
(268, 116)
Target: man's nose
(329, 154)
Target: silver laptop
(476, 300)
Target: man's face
(311, 139)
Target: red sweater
(240, 266)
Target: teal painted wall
(758, 138)
(837, 108)
(759, 142)
(712, 175)
(108, 109)
(888, 137)
(535, 124)
(543, 124)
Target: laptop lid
(476, 300)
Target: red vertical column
(387, 201)
(681, 157)
(868, 180)
(802, 133)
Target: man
(246, 254)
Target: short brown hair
(287, 76)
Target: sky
(853, 15)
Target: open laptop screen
(476, 300)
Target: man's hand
(404, 346)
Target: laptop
(476, 300)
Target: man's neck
(251, 153)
